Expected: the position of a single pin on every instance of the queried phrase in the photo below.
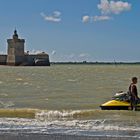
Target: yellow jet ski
(121, 101)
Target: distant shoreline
(97, 63)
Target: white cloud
(53, 52)
(55, 17)
(102, 18)
(111, 7)
(71, 55)
(57, 14)
(85, 19)
(115, 7)
(33, 51)
(83, 55)
(1, 52)
(108, 8)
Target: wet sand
(60, 137)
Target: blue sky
(74, 30)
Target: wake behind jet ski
(120, 101)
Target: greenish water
(63, 86)
(65, 99)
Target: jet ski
(120, 101)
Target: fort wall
(3, 59)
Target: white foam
(7, 104)
(80, 125)
(72, 80)
(45, 115)
(66, 122)
(19, 79)
(3, 94)
(25, 83)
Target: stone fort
(16, 56)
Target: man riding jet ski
(124, 100)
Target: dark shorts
(133, 101)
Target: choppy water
(65, 99)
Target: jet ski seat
(122, 96)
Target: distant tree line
(85, 62)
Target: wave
(3, 94)
(18, 113)
(91, 120)
(69, 114)
(63, 126)
(72, 80)
(47, 114)
(87, 114)
(6, 104)
(79, 122)
(65, 114)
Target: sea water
(62, 102)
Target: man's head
(134, 80)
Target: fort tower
(15, 50)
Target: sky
(74, 30)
